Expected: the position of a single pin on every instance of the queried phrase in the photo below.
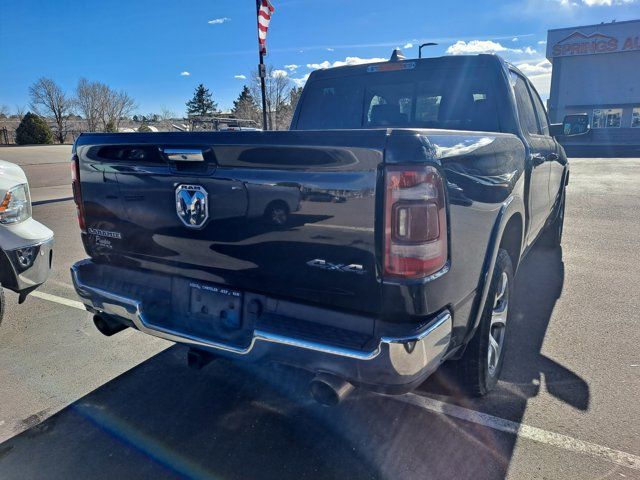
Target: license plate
(217, 303)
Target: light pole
(428, 44)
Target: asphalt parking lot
(75, 404)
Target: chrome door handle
(184, 155)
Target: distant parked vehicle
(220, 124)
(26, 246)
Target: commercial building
(596, 70)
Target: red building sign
(582, 44)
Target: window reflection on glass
(389, 104)
(635, 118)
(607, 118)
(613, 119)
(427, 107)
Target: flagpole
(262, 73)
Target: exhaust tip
(106, 326)
(329, 390)
(198, 359)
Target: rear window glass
(389, 103)
(336, 106)
(448, 98)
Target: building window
(635, 118)
(607, 118)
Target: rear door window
(526, 112)
(541, 112)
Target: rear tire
(552, 237)
(481, 364)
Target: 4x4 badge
(336, 267)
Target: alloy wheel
(279, 216)
(498, 324)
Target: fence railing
(76, 127)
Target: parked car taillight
(77, 191)
(415, 221)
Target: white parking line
(524, 431)
(339, 227)
(496, 423)
(60, 300)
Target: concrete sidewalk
(36, 154)
(47, 169)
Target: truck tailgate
(289, 214)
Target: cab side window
(542, 114)
(526, 112)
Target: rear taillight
(77, 191)
(415, 222)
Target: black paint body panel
(337, 176)
(330, 184)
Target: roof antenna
(397, 56)
(428, 44)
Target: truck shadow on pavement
(539, 285)
(238, 421)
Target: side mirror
(573, 125)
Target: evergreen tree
(33, 130)
(245, 106)
(202, 102)
(111, 127)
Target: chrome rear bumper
(395, 362)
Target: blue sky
(159, 50)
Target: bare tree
(88, 102)
(117, 106)
(166, 114)
(165, 117)
(48, 99)
(20, 111)
(102, 106)
(278, 88)
(4, 111)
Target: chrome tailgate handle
(184, 155)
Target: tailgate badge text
(337, 267)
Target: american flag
(264, 17)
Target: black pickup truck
(376, 239)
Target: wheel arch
(511, 239)
(507, 233)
